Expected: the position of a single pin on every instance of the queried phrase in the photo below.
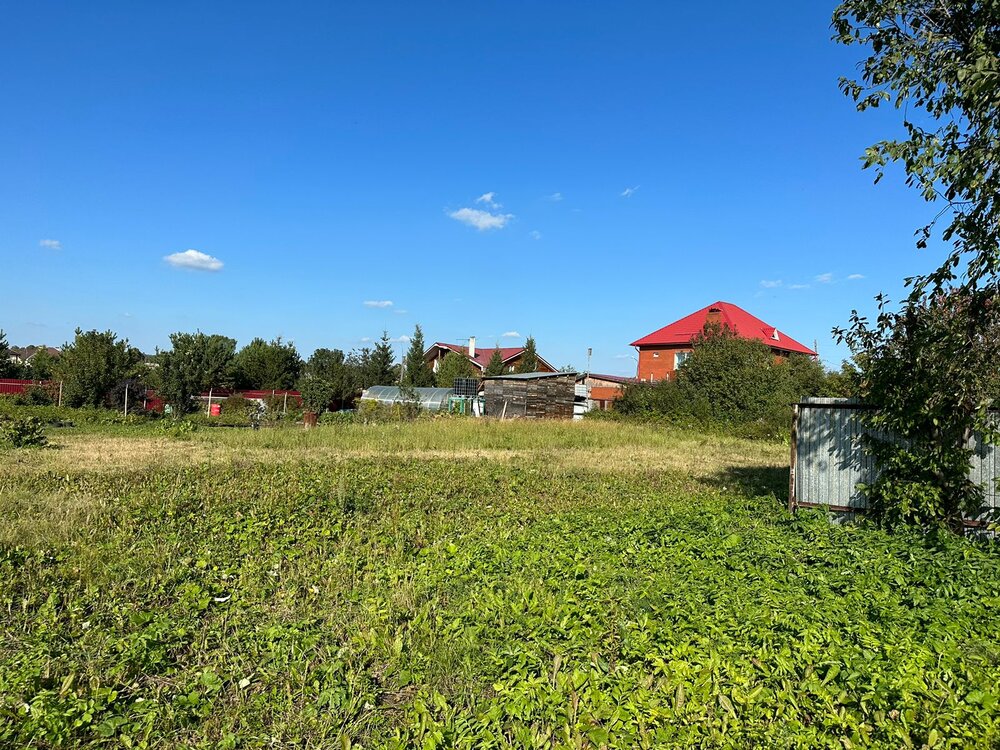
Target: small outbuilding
(535, 395)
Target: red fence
(153, 402)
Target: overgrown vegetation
(929, 367)
(515, 600)
(731, 383)
(26, 432)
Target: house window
(680, 358)
(656, 355)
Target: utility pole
(126, 398)
(590, 351)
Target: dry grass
(598, 446)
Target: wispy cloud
(624, 356)
(50, 244)
(379, 303)
(481, 220)
(404, 339)
(555, 197)
(629, 191)
(490, 199)
(510, 335)
(366, 339)
(798, 286)
(535, 234)
(401, 312)
(771, 284)
(824, 278)
(855, 276)
(194, 260)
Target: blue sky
(582, 172)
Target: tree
(331, 366)
(42, 365)
(805, 376)
(8, 368)
(381, 365)
(931, 372)
(317, 394)
(94, 364)
(453, 366)
(267, 365)
(938, 62)
(194, 363)
(495, 365)
(529, 358)
(416, 373)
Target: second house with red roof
(665, 350)
(479, 358)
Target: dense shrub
(22, 433)
(34, 395)
(729, 382)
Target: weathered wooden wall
(538, 398)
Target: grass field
(470, 584)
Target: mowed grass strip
(478, 602)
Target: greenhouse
(432, 399)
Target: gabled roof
(483, 356)
(742, 323)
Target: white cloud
(380, 303)
(824, 278)
(855, 276)
(769, 284)
(624, 356)
(555, 197)
(194, 260)
(481, 220)
(629, 191)
(50, 244)
(366, 339)
(404, 339)
(798, 286)
(510, 335)
(489, 199)
(535, 234)
(401, 312)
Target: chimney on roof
(714, 316)
(472, 347)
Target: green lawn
(466, 584)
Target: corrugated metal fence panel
(830, 460)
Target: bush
(34, 395)
(23, 433)
(236, 406)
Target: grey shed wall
(829, 460)
(540, 398)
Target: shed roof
(742, 323)
(529, 375)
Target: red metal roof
(483, 356)
(737, 319)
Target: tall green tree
(529, 359)
(42, 365)
(334, 368)
(495, 365)
(453, 366)
(381, 365)
(938, 63)
(194, 363)
(416, 373)
(8, 368)
(94, 364)
(267, 365)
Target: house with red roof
(665, 350)
(480, 358)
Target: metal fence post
(792, 505)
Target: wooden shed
(533, 395)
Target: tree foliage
(453, 366)
(925, 367)
(332, 366)
(267, 365)
(194, 363)
(932, 372)
(317, 394)
(529, 358)
(495, 365)
(416, 373)
(380, 366)
(8, 369)
(93, 364)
